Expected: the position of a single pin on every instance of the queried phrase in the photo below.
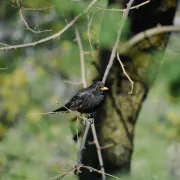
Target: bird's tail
(61, 109)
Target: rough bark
(115, 121)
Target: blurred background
(34, 79)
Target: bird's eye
(98, 88)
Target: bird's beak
(104, 88)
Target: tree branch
(81, 52)
(124, 71)
(98, 151)
(115, 47)
(27, 26)
(88, 124)
(54, 36)
(122, 10)
(147, 34)
(78, 168)
(4, 68)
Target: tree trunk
(115, 121)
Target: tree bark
(115, 121)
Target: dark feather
(86, 101)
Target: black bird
(87, 100)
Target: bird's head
(99, 87)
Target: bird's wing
(75, 103)
(78, 101)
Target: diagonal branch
(88, 124)
(98, 151)
(124, 71)
(81, 52)
(147, 34)
(115, 47)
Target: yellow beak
(104, 88)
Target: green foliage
(109, 29)
(28, 154)
(69, 7)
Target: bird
(87, 100)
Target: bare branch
(98, 151)
(54, 36)
(27, 26)
(3, 44)
(81, 52)
(59, 177)
(37, 9)
(89, 30)
(73, 83)
(88, 124)
(99, 171)
(122, 66)
(78, 168)
(4, 68)
(106, 146)
(74, 112)
(147, 34)
(113, 54)
(122, 10)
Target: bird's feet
(91, 117)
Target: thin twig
(74, 112)
(37, 9)
(54, 36)
(78, 167)
(4, 44)
(64, 174)
(98, 151)
(89, 32)
(106, 146)
(124, 71)
(122, 10)
(4, 68)
(115, 47)
(27, 26)
(101, 147)
(19, 3)
(91, 169)
(59, 177)
(77, 131)
(83, 75)
(88, 124)
(73, 83)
